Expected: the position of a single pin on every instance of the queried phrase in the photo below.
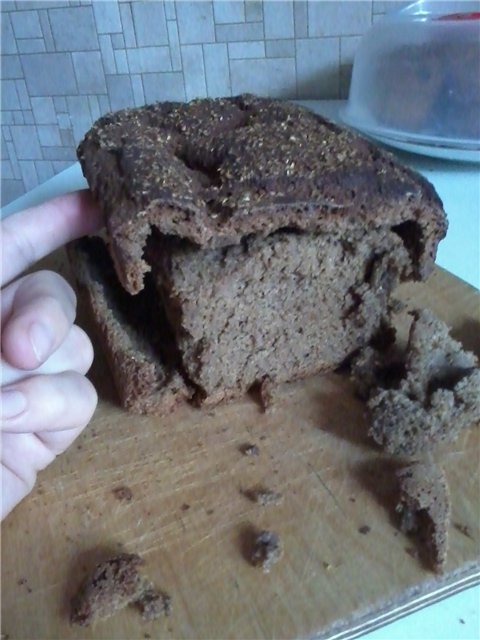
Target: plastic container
(416, 80)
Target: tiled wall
(66, 63)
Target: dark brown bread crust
(216, 171)
(133, 334)
(424, 508)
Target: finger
(14, 489)
(58, 441)
(22, 456)
(74, 354)
(48, 403)
(31, 234)
(42, 310)
(9, 291)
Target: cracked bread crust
(215, 171)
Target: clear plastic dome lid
(416, 76)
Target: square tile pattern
(63, 64)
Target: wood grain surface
(190, 520)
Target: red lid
(474, 15)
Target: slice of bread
(133, 333)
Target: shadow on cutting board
(342, 414)
(468, 333)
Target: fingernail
(13, 403)
(41, 340)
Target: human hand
(46, 400)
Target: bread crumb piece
(267, 550)
(364, 529)
(124, 494)
(268, 394)
(250, 449)
(23, 582)
(153, 604)
(424, 508)
(263, 496)
(115, 584)
(426, 395)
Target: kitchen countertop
(458, 185)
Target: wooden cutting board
(191, 522)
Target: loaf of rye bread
(271, 237)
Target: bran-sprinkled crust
(215, 171)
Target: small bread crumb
(267, 550)
(263, 496)
(268, 394)
(124, 494)
(250, 449)
(153, 604)
(364, 529)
